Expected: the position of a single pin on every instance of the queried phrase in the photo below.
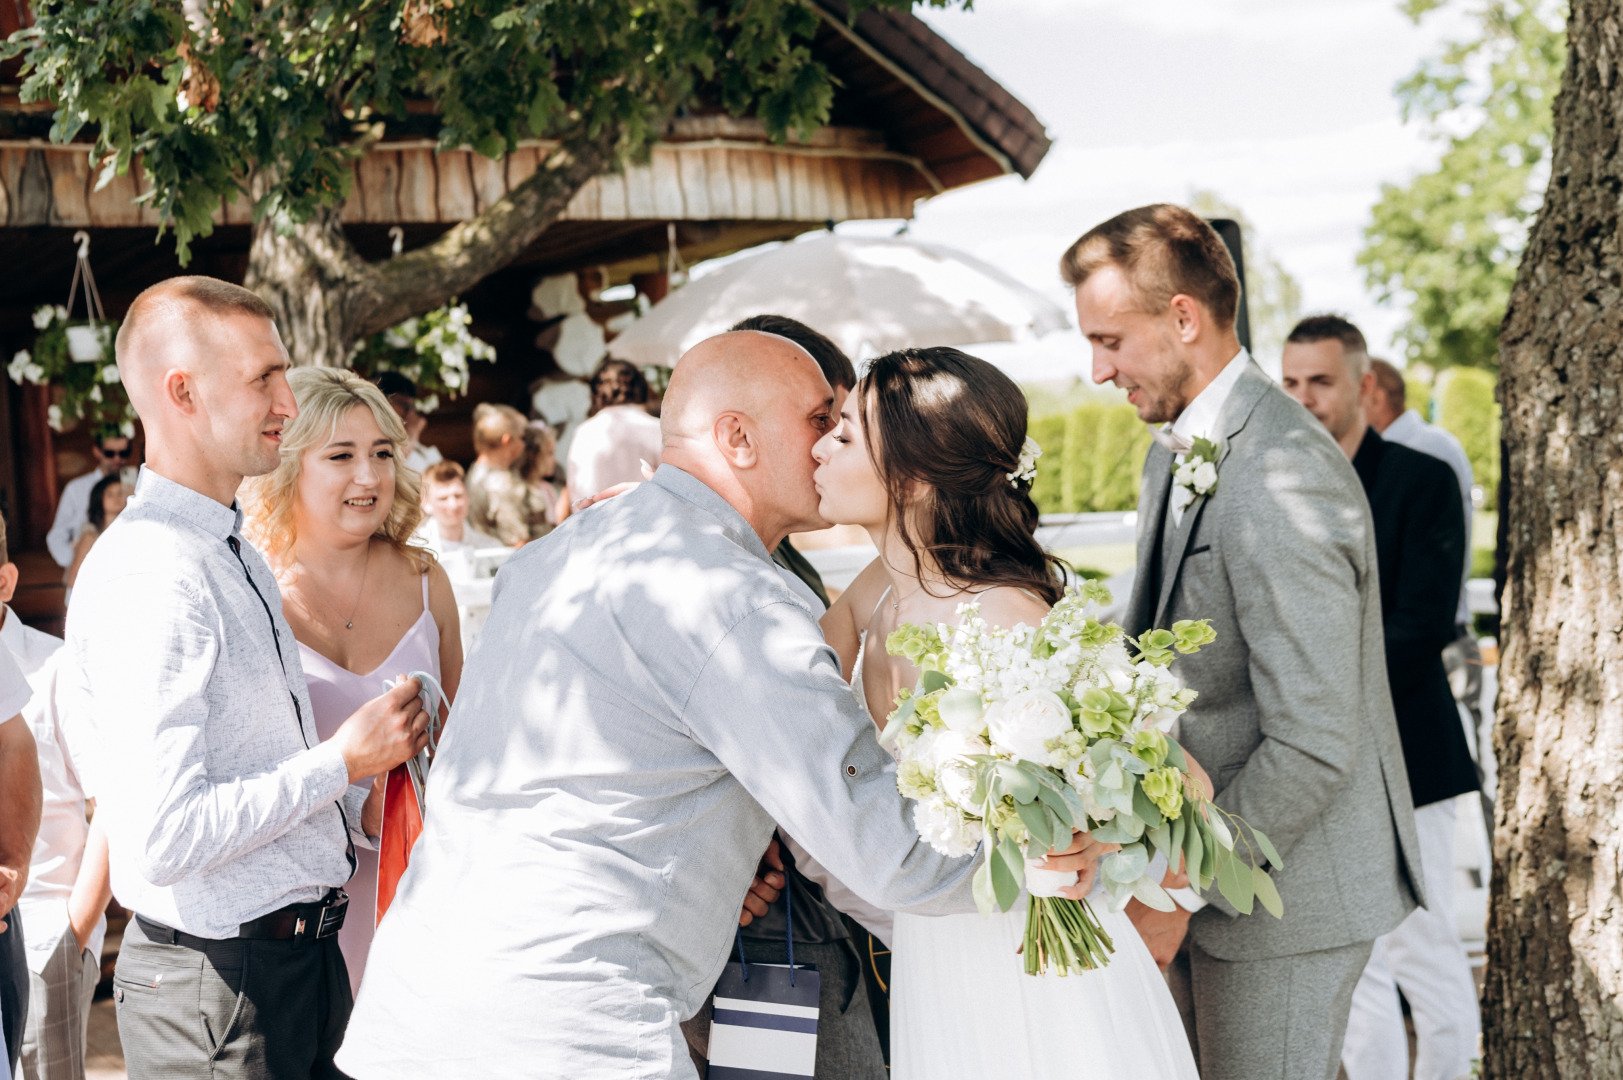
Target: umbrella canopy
(870, 296)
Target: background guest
(65, 901)
(112, 452)
(230, 826)
(335, 521)
(445, 529)
(107, 501)
(19, 823)
(618, 434)
(497, 503)
(1419, 545)
(536, 468)
(402, 395)
(1389, 415)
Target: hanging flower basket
(76, 361)
(431, 350)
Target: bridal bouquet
(1015, 737)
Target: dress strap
(880, 602)
(425, 590)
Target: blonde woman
(334, 521)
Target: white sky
(1282, 107)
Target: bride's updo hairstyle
(944, 431)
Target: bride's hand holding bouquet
(1014, 738)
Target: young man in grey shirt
(230, 826)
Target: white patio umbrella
(870, 296)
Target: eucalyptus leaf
(1017, 784)
(1062, 809)
(985, 897)
(1175, 840)
(931, 681)
(1038, 825)
(1220, 830)
(1234, 879)
(1269, 852)
(1126, 865)
(1267, 892)
(1112, 832)
(1175, 755)
(1152, 895)
(1161, 837)
(1194, 848)
(1145, 809)
(1008, 871)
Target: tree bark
(326, 297)
(1554, 996)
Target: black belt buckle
(328, 922)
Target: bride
(925, 457)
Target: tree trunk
(326, 297)
(1554, 997)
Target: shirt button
(850, 770)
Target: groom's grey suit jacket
(1294, 719)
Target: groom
(1294, 720)
(648, 698)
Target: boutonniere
(1196, 474)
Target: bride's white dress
(962, 1006)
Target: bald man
(230, 826)
(648, 699)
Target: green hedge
(1092, 458)
(1466, 408)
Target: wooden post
(35, 451)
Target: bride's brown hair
(944, 431)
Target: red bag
(402, 825)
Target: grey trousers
(1282, 1018)
(230, 1010)
(59, 1013)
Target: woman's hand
(767, 886)
(1081, 858)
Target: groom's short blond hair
(1163, 250)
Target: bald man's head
(744, 409)
(206, 371)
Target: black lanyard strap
(298, 713)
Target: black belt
(313, 921)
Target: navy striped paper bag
(764, 1027)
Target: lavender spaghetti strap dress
(335, 694)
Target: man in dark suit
(1420, 550)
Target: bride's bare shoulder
(1008, 607)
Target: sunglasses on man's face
(124, 453)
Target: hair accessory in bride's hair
(1026, 469)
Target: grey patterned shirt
(646, 699)
(221, 803)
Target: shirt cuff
(1187, 898)
(328, 776)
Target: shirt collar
(11, 632)
(1199, 418)
(153, 489)
(690, 489)
(1410, 422)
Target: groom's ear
(1188, 317)
(736, 441)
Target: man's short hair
(444, 472)
(210, 294)
(1390, 380)
(1334, 328)
(491, 422)
(1164, 250)
(392, 383)
(837, 367)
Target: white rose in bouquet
(1023, 726)
(943, 827)
(955, 773)
(963, 711)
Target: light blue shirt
(647, 698)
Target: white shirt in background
(609, 449)
(60, 847)
(420, 457)
(72, 514)
(1412, 431)
(14, 695)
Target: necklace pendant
(349, 626)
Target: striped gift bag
(764, 1023)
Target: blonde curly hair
(325, 395)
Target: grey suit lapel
(1242, 400)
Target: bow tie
(1174, 442)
